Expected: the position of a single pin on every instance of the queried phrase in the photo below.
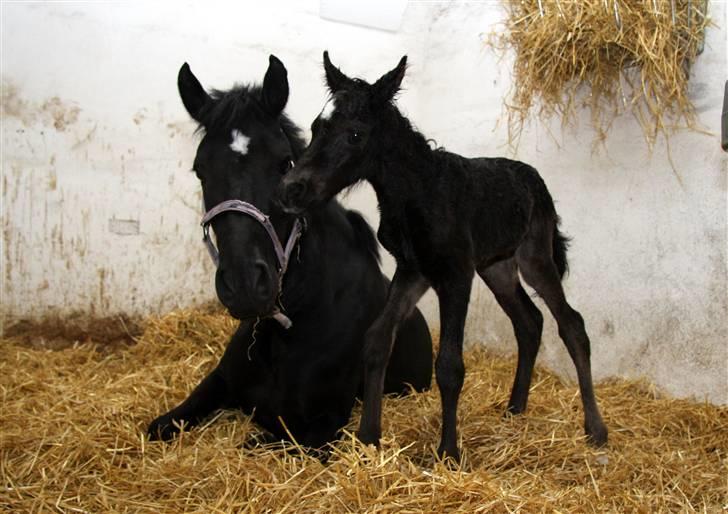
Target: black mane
(243, 102)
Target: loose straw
(612, 56)
(72, 425)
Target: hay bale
(613, 56)
(72, 426)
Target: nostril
(294, 192)
(226, 285)
(264, 284)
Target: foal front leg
(406, 289)
(454, 297)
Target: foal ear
(193, 94)
(275, 86)
(388, 84)
(335, 79)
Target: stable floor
(73, 418)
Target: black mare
(310, 373)
(444, 218)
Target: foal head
(247, 146)
(347, 138)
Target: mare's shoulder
(349, 224)
(364, 234)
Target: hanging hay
(613, 56)
(72, 439)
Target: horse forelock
(229, 109)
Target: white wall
(100, 214)
(648, 257)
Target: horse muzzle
(236, 289)
(247, 292)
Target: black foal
(444, 218)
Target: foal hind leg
(534, 258)
(453, 296)
(502, 279)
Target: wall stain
(607, 328)
(52, 111)
(61, 114)
(13, 106)
(56, 332)
(102, 286)
(140, 116)
(179, 128)
(86, 139)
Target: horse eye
(354, 137)
(286, 165)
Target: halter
(283, 254)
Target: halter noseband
(282, 253)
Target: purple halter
(282, 253)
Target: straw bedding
(72, 425)
(612, 56)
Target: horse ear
(335, 79)
(388, 84)
(193, 94)
(275, 86)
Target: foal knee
(450, 371)
(377, 348)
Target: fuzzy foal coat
(444, 218)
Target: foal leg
(502, 279)
(453, 296)
(406, 289)
(539, 270)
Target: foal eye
(354, 137)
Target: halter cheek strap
(283, 253)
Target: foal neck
(406, 161)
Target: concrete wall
(100, 213)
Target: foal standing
(444, 218)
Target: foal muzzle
(283, 253)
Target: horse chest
(394, 236)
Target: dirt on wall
(50, 112)
(56, 333)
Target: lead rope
(255, 328)
(282, 319)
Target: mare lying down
(306, 288)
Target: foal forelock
(328, 109)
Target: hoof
(450, 456)
(162, 429)
(368, 438)
(514, 410)
(596, 435)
